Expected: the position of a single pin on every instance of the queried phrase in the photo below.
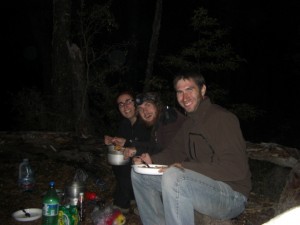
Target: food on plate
(152, 167)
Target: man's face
(188, 94)
(126, 106)
(148, 112)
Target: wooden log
(290, 196)
(275, 153)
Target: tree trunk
(62, 80)
(153, 44)
(79, 91)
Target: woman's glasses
(127, 102)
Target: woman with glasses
(130, 131)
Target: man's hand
(145, 157)
(178, 165)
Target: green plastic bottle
(50, 206)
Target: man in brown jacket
(208, 170)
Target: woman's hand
(118, 141)
(108, 140)
(129, 152)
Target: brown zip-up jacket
(210, 142)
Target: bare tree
(153, 44)
(61, 77)
(72, 62)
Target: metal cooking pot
(72, 192)
(111, 148)
(115, 157)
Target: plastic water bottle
(50, 206)
(26, 176)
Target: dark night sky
(266, 33)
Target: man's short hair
(196, 76)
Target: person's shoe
(123, 210)
(136, 211)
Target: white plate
(143, 169)
(34, 215)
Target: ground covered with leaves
(260, 208)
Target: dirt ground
(259, 209)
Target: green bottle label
(68, 215)
(50, 209)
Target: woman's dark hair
(195, 76)
(130, 93)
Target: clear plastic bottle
(26, 176)
(50, 206)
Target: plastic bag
(107, 216)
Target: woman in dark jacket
(130, 130)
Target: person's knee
(170, 178)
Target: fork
(143, 161)
(27, 214)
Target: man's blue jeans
(172, 198)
